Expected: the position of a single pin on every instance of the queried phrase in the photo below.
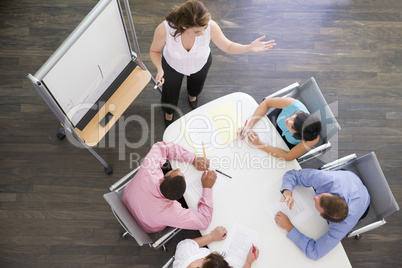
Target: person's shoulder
(298, 105)
(161, 28)
(187, 242)
(214, 26)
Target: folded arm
(190, 219)
(316, 249)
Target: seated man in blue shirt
(341, 199)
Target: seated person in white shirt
(191, 253)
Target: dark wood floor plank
(52, 212)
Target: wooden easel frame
(117, 103)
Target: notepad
(215, 129)
(300, 212)
(238, 243)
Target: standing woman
(181, 47)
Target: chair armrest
(314, 152)
(283, 91)
(170, 232)
(367, 228)
(169, 264)
(122, 180)
(338, 162)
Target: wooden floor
(52, 213)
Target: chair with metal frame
(169, 263)
(130, 225)
(310, 95)
(382, 203)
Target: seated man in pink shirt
(151, 196)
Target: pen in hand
(203, 149)
(244, 128)
(254, 251)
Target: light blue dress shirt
(342, 183)
(287, 112)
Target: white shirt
(188, 251)
(183, 61)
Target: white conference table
(255, 183)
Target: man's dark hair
(173, 188)
(335, 208)
(215, 260)
(307, 127)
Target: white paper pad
(300, 212)
(238, 243)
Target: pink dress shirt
(150, 208)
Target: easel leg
(108, 169)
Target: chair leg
(123, 235)
(358, 237)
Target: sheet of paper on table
(238, 243)
(214, 129)
(300, 212)
(193, 181)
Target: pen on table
(254, 251)
(223, 173)
(245, 124)
(284, 197)
(203, 149)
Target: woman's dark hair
(335, 208)
(215, 260)
(307, 127)
(191, 14)
(173, 188)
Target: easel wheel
(108, 170)
(61, 134)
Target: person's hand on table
(243, 132)
(283, 221)
(208, 178)
(254, 139)
(219, 233)
(251, 257)
(288, 198)
(201, 163)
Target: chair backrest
(125, 218)
(310, 95)
(382, 202)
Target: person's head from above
(213, 260)
(306, 127)
(173, 185)
(192, 17)
(332, 207)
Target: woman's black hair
(307, 126)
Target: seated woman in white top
(299, 128)
(190, 253)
